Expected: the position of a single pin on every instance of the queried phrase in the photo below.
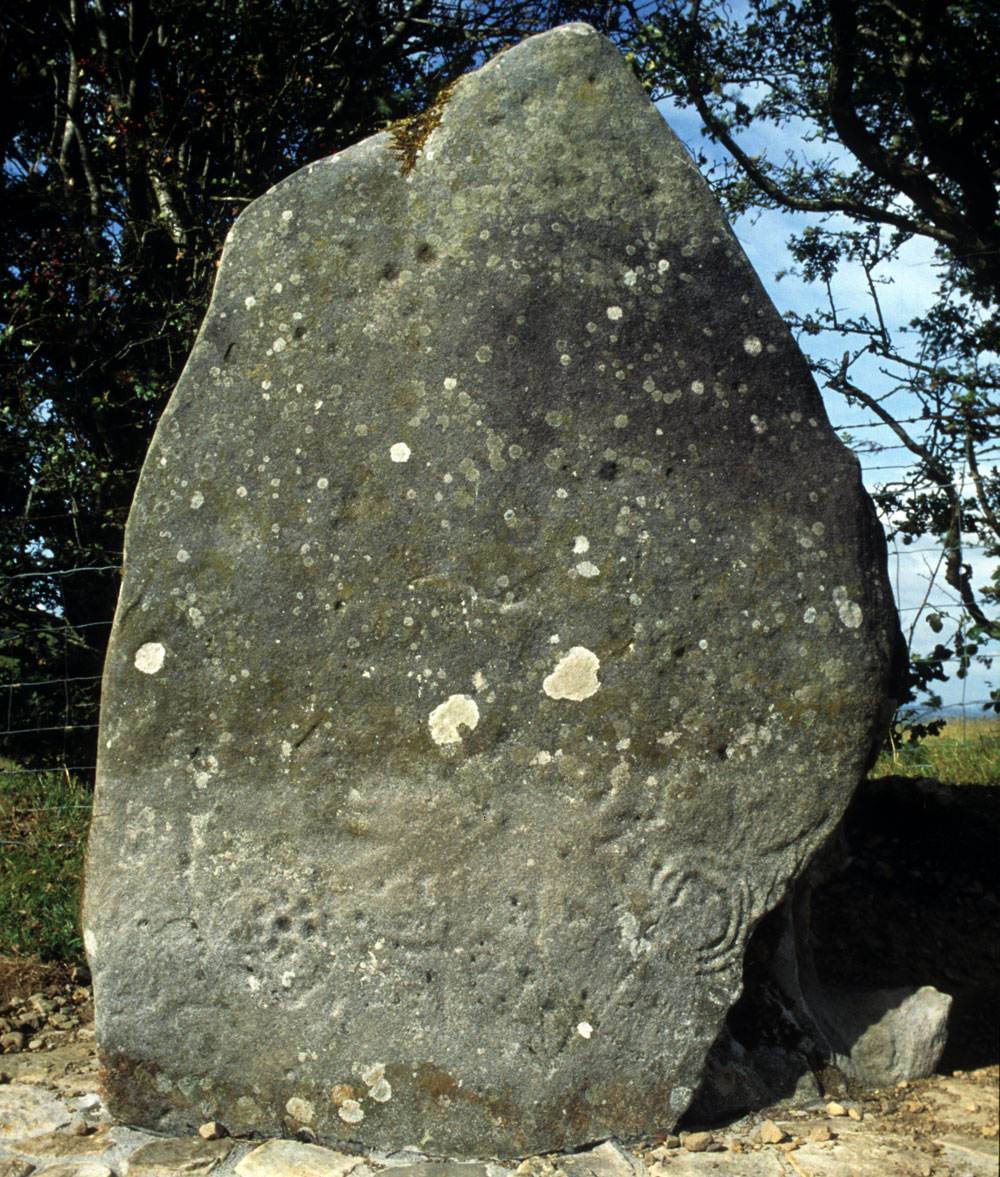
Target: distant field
(44, 818)
(964, 752)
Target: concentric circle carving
(707, 905)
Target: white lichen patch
(587, 569)
(381, 1092)
(575, 676)
(455, 712)
(581, 545)
(752, 345)
(149, 658)
(301, 1110)
(584, 1029)
(615, 313)
(848, 611)
(399, 452)
(351, 1112)
(197, 500)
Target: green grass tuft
(43, 830)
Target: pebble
(770, 1133)
(696, 1141)
(820, 1134)
(835, 1109)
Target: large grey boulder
(503, 627)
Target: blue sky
(913, 282)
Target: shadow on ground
(916, 903)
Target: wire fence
(57, 713)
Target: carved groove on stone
(696, 882)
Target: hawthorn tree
(891, 105)
(133, 133)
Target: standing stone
(503, 627)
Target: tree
(893, 105)
(133, 133)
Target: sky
(918, 592)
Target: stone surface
(67, 1144)
(289, 1158)
(885, 1035)
(29, 1112)
(172, 1157)
(942, 1134)
(78, 1169)
(13, 1168)
(503, 626)
(439, 1169)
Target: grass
(43, 830)
(964, 752)
(44, 817)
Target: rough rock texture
(503, 627)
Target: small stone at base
(770, 1133)
(820, 1134)
(696, 1141)
(213, 1130)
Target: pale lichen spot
(287, 215)
(382, 1091)
(249, 301)
(679, 1099)
(484, 354)
(149, 657)
(575, 676)
(663, 265)
(183, 556)
(584, 1029)
(809, 616)
(455, 712)
(322, 483)
(621, 421)
(197, 500)
(848, 611)
(697, 387)
(300, 1109)
(241, 492)
(450, 383)
(399, 452)
(279, 344)
(351, 1112)
(752, 345)
(581, 545)
(587, 569)
(615, 313)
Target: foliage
(133, 133)
(43, 828)
(891, 108)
